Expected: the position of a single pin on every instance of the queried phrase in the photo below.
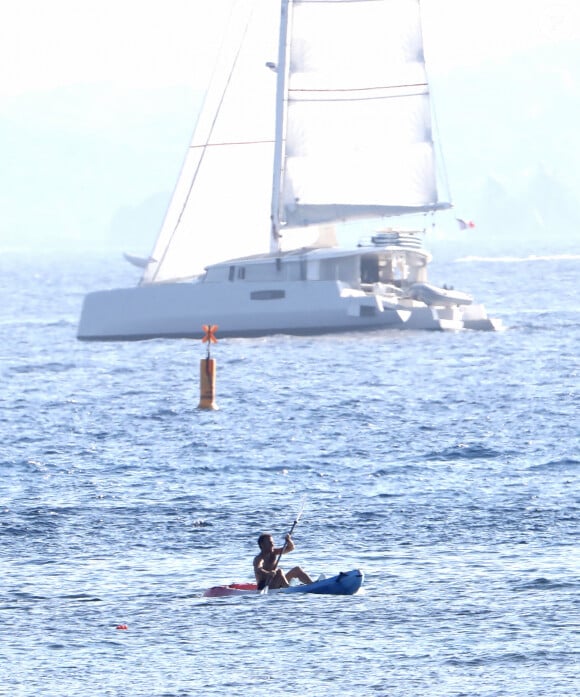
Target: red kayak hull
(232, 589)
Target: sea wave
(462, 451)
(519, 259)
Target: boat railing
(408, 239)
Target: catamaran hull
(178, 310)
(345, 583)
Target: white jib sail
(220, 207)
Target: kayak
(344, 583)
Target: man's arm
(288, 547)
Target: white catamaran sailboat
(331, 126)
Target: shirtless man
(266, 561)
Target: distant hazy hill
(95, 165)
(135, 227)
(511, 145)
(72, 158)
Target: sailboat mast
(281, 73)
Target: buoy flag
(210, 331)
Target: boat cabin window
(241, 272)
(345, 269)
(261, 272)
(383, 268)
(369, 269)
(267, 295)
(232, 273)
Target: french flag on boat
(465, 224)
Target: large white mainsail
(353, 127)
(221, 203)
(358, 141)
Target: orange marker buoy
(207, 371)
(122, 626)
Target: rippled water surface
(445, 466)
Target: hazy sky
(98, 155)
(50, 43)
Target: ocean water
(444, 465)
